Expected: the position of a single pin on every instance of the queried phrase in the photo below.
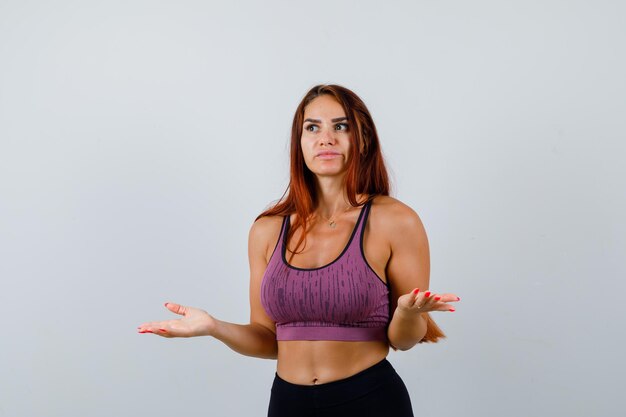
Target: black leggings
(376, 391)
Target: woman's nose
(327, 136)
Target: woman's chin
(330, 173)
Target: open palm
(424, 302)
(195, 322)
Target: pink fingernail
(427, 294)
(415, 291)
(458, 298)
(163, 330)
(165, 304)
(437, 298)
(452, 309)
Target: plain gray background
(140, 139)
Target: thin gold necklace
(331, 222)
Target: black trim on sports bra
(282, 227)
(286, 232)
(367, 213)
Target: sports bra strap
(362, 220)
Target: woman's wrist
(407, 328)
(408, 315)
(210, 328)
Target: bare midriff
(306, 362)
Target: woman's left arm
(408, 273)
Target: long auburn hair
(365, 174)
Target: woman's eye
(341, 126)
(311, 128)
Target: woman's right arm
(258, 338)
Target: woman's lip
(328, 155)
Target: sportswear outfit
(344, 300)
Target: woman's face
(326, 137)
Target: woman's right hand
(195, 322)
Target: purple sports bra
(343, 300)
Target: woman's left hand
(424, 302)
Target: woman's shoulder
(391, 214)
(268, 221)
(393, 207)
(265, 230)
(267, 225)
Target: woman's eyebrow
(338, 119)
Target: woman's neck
(332, 197)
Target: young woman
(339, 272)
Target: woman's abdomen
(307, 362)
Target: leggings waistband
(378, 388)
(362, 382)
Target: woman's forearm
(248, 339)
(406, 329)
